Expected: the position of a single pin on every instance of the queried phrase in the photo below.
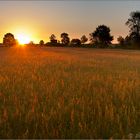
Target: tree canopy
(84, 39)
(134, 24)
(65, 38)
(9, 40)
(41, 43)
(121, 40)
(102, 35)
(53, 39)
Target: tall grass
(69, 93)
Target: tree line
(100, 38)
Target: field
(69, 93)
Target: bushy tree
(92, 39)
(9, 40)
(101, 36)
(41, 43)
(75, 42)
(121, 40)
(53, 39)
(65, 38)
(84, 39)
(31, 44)
(134, 24)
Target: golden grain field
(69, 93)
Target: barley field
(69, 93)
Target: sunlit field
(69, 93)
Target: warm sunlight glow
(23, 39)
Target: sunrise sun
(23, 39)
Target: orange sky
(39, 19)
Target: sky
(39, 19)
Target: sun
(23, 39)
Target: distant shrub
(75, 42)
(41, 43)
(54, 44)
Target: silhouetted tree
(31, 44)
(75, 42)
(65, 38)
(134, 24)
(84, 39)
(53, 39)
(41, 43)
(9, 40)
(101, 36)
(127, 40)
(92, 39)
(135, 38)
(121, 40)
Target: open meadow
(69, 93)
